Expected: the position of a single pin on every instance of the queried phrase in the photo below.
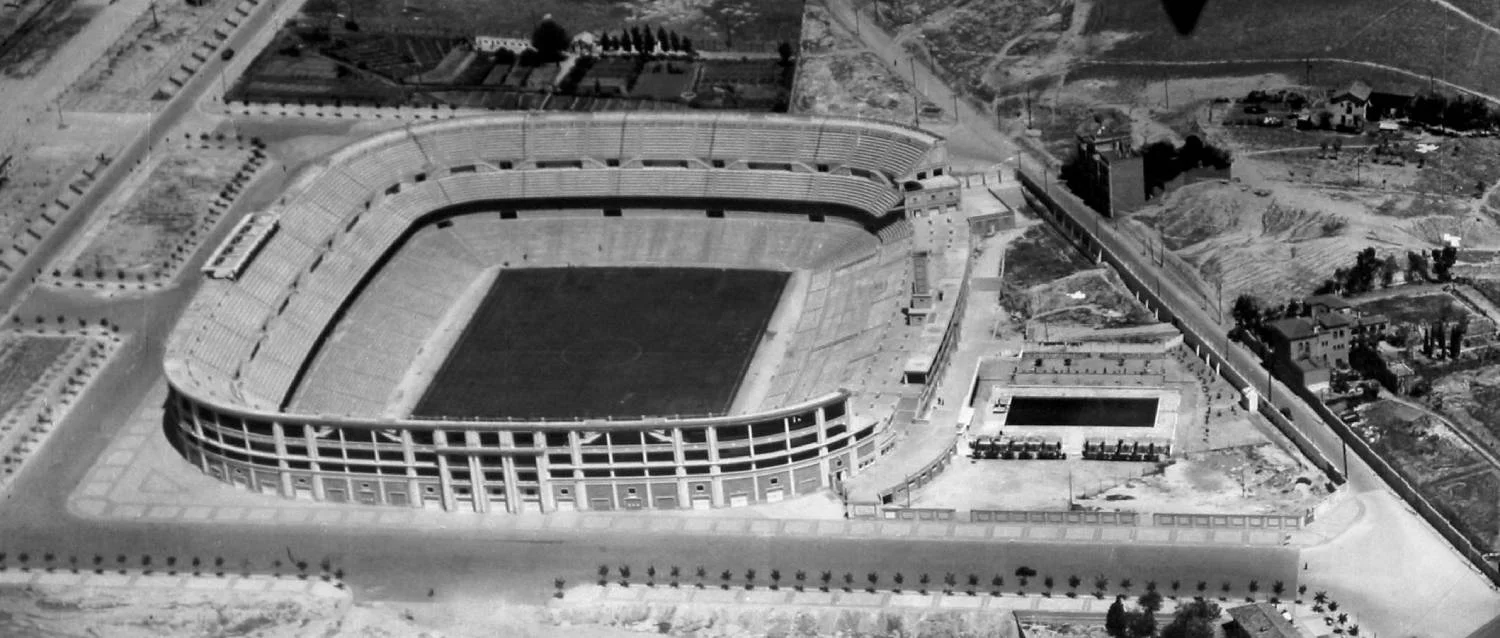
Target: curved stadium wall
(234, 358)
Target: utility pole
(155, 24)
(916, 113)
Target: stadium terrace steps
(341, 212)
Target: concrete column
(478, 480)
(409, 456)
(1252, 398)
(544, 483)
(445, 480)
(580, 486)
(684, 495)
(284, 473)
(311, 438)
(512, 491)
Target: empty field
(22, 361)
(1416, 36)
(597, 342)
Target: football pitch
(561, 343)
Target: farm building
(1348, 107)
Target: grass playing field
(560, 343)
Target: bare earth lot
(838, 76)
(141, 233)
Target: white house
(491, 44)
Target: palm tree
(73, 564)
(1224, 590)
(826, 577)
(701, 573)
(1125, 584)
(1176, 585)
(558, 584)
(603, 573)
(1320, 597)
(24, 558)
(848, 581)
(995, 584)
(775, 579)
(1301, 591)
(650, 575)
(1100, 584)
(48, 558)
(1202, 587)
(725, 576)
(801, 577)
(624, 575)
(750, 579)
(973, 583)
(1278, 588)
(1048, 582)
(899, 579)
(922, 582)
(1343, 618)
(1253, 587)
(1333, 605)
(326, 564)
(197, 563)
(874, 578)
(675, 573)
(1353, 630)
(1073, 582)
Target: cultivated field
(1418, 308)
(711, 24)
(142, 233)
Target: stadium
(564, 312)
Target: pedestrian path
(1082, 606)
(138, 477)
(255, 584)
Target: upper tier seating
(340, 219)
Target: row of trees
(1461, 112)
(147, 564)
(674, 577)
(640, 40)
(1436, 265)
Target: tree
(996, 583)
(1100, 584)
(750, 579)
(1193, 620)
(1150, 601)
(1388, 270)
(1073, 582)
(650, 575)
(826, 577)
(801, 577)
(725, 576)
(1416, 266)
(674, 572)
(1048, 583)
(701, 573)
(624, 575)
(784, 50)
(848, 581)
(1442, 262)
(775, 579)
(673, 42)
(687, 45)
(950, 581)
(899, 579)
(873, 578)
(1140, 624)
(1114, 619)
(729, 16)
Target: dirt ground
(133, 66)
(145, 612)
(839, 76)
(159, 208)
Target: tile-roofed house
(1347, 107)
(1260, 620)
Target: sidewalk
(1084, 606)
(138, 477)
(135, 580)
